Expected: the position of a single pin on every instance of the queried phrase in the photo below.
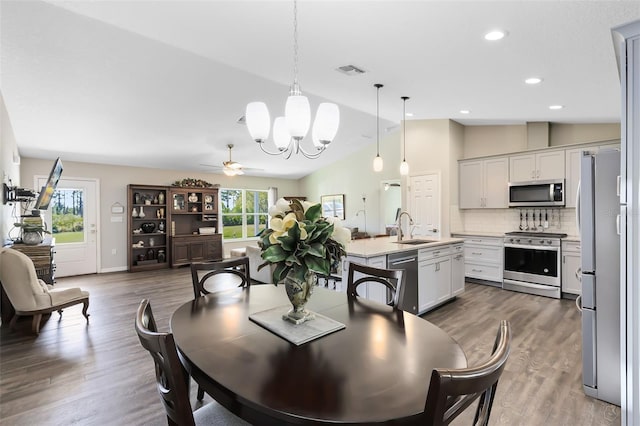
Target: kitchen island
(434, 269)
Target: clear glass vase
(299, 292)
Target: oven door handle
(518, 246)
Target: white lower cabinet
(434, 277)
(373, 291)
(457, 270)
(570, 268)
(483, 258)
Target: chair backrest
(204, 274)
(392, 279)
(171, 378)
(452, 390)
(20, 281)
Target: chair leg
(35, 324)
(200, 393)
(60, 312)
(85, 307)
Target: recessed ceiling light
(556, 106)
(495, 35)
(533, 80)
(464, 111)
(409, 114)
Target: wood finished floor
(98, 374)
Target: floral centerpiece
(300, 243)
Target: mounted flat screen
(46, 193)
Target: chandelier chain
(295, 88)
(404, 128)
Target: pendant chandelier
(377, 162)
(288, 131)
(404, 166)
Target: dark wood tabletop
(376, 370)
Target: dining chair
(221, 274)
(172, 378)
(451, 391)
(30, 296)
(392, 279)
(207, 275)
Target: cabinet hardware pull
(476, 253)
(477, 270)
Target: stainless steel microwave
(539, 193)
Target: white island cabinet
(437, 281)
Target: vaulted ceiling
(163, 83)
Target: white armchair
(31, 296)
(265, 274)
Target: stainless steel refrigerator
(598, 220)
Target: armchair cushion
(265, 274)
(28, 294)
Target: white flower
(279, 208)
(307, 204)
(341, 235)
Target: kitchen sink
(415, 242)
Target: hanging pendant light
(288, 131)
(377, 162)
(404, 166)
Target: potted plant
(32, 233)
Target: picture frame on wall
(333, 205)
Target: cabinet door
(179, 202)
(572, 175)
(443, 279)
(214, 249)
(427, 285)
(457, 274)
(496, 180)
(550, 165)
(375, 291)
(522, 168)
(570, 281)
(180, 253)
(470, 185)
(197, 250)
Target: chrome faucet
(399, 223)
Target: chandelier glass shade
(290, 130)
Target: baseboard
(114, 269)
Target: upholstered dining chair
(392, 279)
(207, 276)
(172, 379)
(31, 296)
(451, 391)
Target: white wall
(8, 170)
(354, 177)
(113, 188)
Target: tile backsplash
(561, 220)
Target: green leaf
(317, 264)
(274, 254)
(317, 250)
(313, 213)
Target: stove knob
(530, 241)
(548, 241)
(511, 240)
(542, 242)
(518, 240)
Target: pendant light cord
(404, 128)
(378, 86)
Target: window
(245, 212)
(68, 215)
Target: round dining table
(376, 370)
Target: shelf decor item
(141, 214)
(301, 243)
(148, 227)
(194, 183)
(161, 198)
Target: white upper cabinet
(483, 183)
(536, 166)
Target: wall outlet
(114, 251)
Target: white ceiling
(162, 83)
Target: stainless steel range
(532, 263)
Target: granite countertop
(370, 247)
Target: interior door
(72, 219)
(424, 205)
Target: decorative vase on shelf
(134, 212)
(193, 198)
(141, 214)
(299, 291)
(161, 198)
(150, 254)
(161, 226)
(31, 237)
(148, 227)
(161, 256)
(136, 198)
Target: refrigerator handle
(618, 224)
(578, 208)
(578, 303)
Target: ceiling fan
(230, 168)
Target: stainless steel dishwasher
(408, 262)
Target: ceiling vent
(242, 120)
(350, 70)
